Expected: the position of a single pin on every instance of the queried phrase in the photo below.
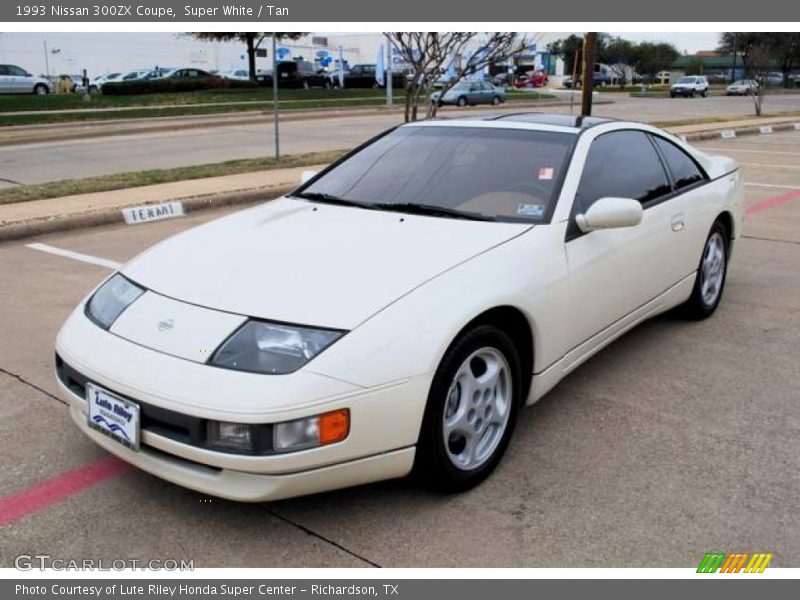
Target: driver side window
(622, 164)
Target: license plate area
(113, 416)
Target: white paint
(797, 126)
(768, 166)
(765, 129)
(87, 258)
(152, 212)
(745, 150)
(728, 134)
(772, 185)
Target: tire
(40, 89)
(705, 300)
(704, 93)
(496, 100)
(306, 84)
(327, 84)
(458, 445)
(672, 94)
(691, 94)
(462, 101)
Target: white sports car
(394, 313)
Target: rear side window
(622, 164)
(685, 171)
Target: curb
(713, 134)
(113, 216)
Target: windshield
(507, 174)
(686, 80)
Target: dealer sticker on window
(530, 210)
(546, 173)
(114, 416)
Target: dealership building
(102, 53)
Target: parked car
(188, 73)
(470, 93)
(689, 86)
(16, 80)
(363, 76)
(773, 79)
(236, 74)
(120, 77)
(296, 74)
(75, 82)
(156, 73)
(532, 79)
(743, 87)
(96, 84)
(603, 75)
(458, 269)
(718, 77)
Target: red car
(531, 80)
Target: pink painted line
(59, 488)
(773, 202)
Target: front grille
(171, 424)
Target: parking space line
(746, 150)
(59, 488)
(773, 202)
(87, 258)
(772, 166)
(773, 185)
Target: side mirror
(609, 213)
(308, 176)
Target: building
(707, 62)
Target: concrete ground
(680, 438)
(72, 159)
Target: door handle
(677, 222)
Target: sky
(685, 42)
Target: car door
(6, 86)
(614, 272)
(19, 81)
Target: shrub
(161, 86)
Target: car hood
(309, 263)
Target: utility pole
(46, 60)
(389, 98)
(589, 49)
(275, 97)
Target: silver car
(470, 92)
(16, 80)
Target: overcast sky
(689, 42)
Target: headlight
(272, 348)
(111, 298)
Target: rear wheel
(711, 273)
(471, 411)
(462, 101)
(495, 100)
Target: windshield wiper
(432, 210)
(331, 199)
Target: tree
(695, 66)
(250, 38)
(619, 54)
(567, 49)
(431, 53)
(757, 51)
(650, 58)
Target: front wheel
(711, 274)
(471, 411)
(40, 89)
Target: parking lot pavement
(679, 438)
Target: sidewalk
(35, 217)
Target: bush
(161, 86)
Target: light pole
(389, 98)
(275, 116)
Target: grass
(13, 103)
(120, 181)
(207, 102)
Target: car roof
(523, 120)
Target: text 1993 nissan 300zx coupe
(394, 313)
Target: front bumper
(385, 419)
